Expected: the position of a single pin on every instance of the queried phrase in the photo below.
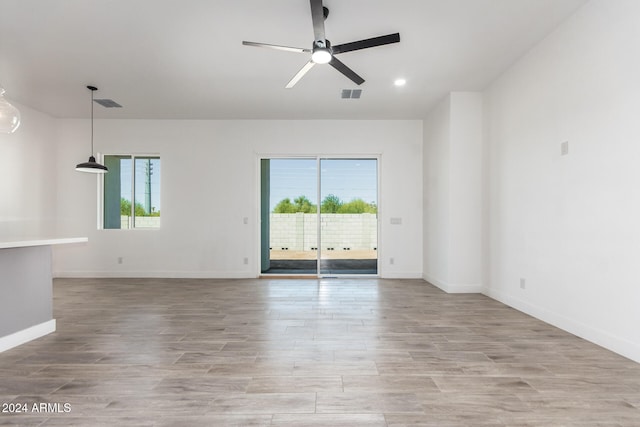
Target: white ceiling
(184, 59)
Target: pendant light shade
(9, 115)
(91, 166)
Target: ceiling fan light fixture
(321, 55)
(322, 52)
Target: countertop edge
(22, 243)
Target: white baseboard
(156, 274)
(454, 288)
(602, 338)
(193, 274)
(400, 275)
(26, 335)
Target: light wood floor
(359, 352)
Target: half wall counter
(26, 289)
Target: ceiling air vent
(351, 94)
(108, 103)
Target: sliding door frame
(318, 157)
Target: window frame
(101, 189)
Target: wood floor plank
(333, 420)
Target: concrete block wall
(141, 222)
(298, 232)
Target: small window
(131, 192)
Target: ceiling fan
(322, 52)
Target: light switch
(396, 221)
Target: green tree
(300, 204)
(330, 204)
(284, 206)
(357, 206)
(304, 205)
(125, 208)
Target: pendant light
(9, 115)
(91, 166)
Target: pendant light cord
(92, 90)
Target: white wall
(453, 141)
(570, 225)
(211, 168)
(436, 194)
(27, 177)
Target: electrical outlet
(120, 260)
(564, 148)
(392, 260)
(246, 260)
(522, 283)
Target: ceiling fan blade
(309, 65)
(335, 63)
(364, 44)
(277, 47)
(317, 17)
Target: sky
(346, 178)
(125, 181)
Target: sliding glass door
(348, 216)
(319, 216)
(289, 216)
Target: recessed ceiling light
(400, 82)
